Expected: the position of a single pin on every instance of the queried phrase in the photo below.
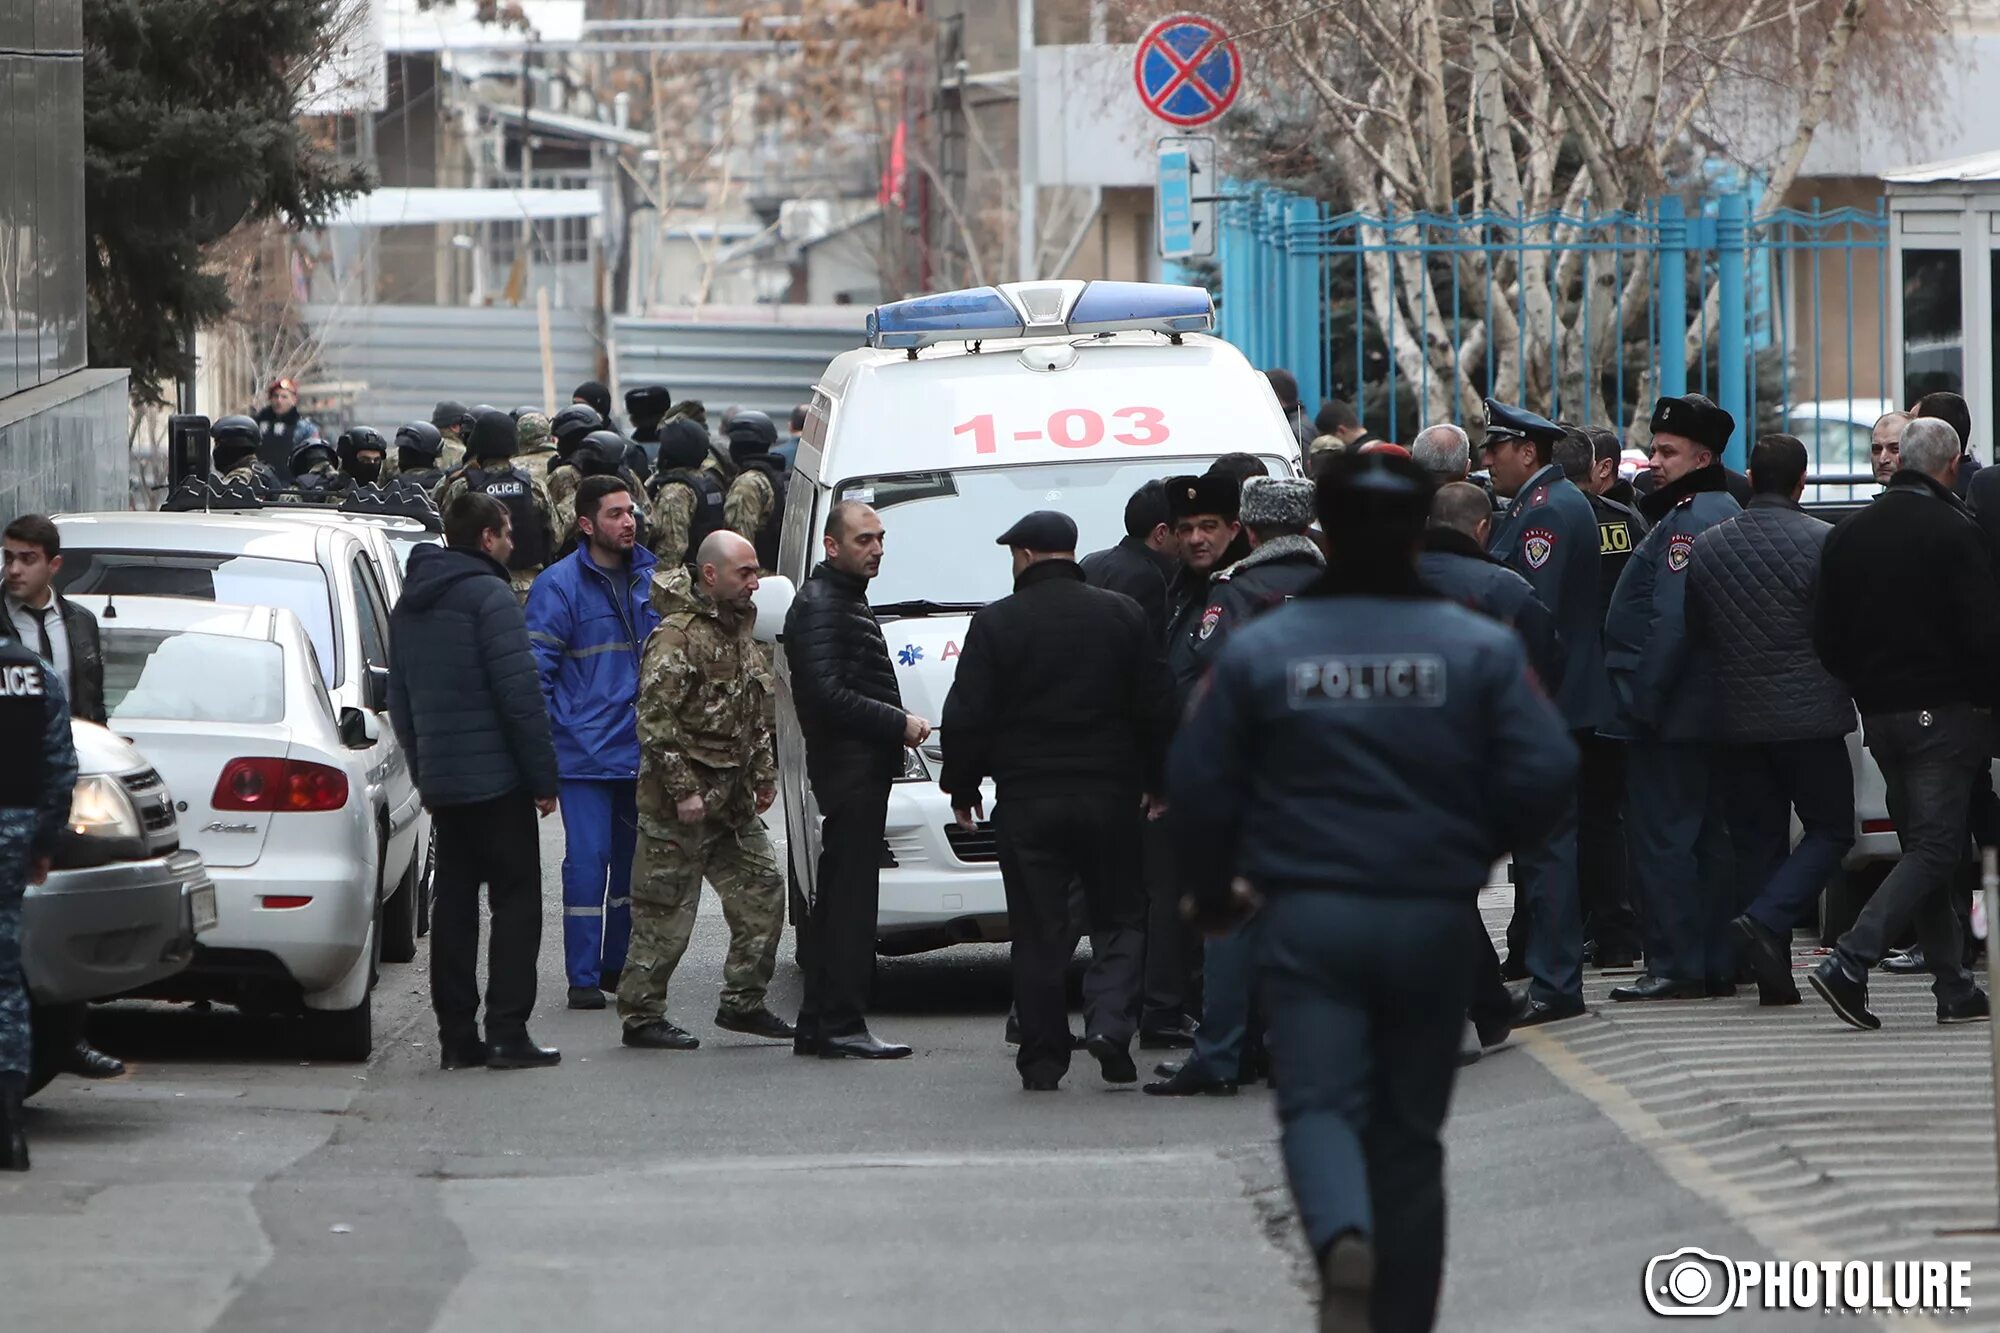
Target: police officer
(689, 498)
(1283, 562)
(233, 444)
(1062, 698)
(362, 452)
(647, 406)
(1548, 536)
(755, 504)
(1335, 768)
(454, 423)
(35, 785)
(493, 472)
(533, 430)
(315, 467)
(707, 770)
(1589, 457)
(1680, 844)
(1205, 512)
(570, 427)
(419, 447)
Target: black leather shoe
(1168, 1068)
(586, 997)
(608, 983)
(1770, 959)
(13, 1131)
(1513, 969)
(1905, 962)
(1041, 1082)
(806, 1042)
(1114, 1058)
(1847, 996)
(1973, 1008)
(1184, 1082)
(1492, 1033)
(1650, 987)
(1530, 1012)
(860, 1046)
(660, 1035)
(470, 1054)
(1721, 988)
(758, 1022)
(1180, 1037)
(86, 1061)
(520, 1053)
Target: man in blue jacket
(1548, 535)
(588, 617)
(1666, 705)
(1335, 766)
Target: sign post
(1184, 200)
(1187, 70)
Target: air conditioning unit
(803, 221)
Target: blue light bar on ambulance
(978, 312)
(1013, 310)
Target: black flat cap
(1043, 531)
(1694, 418)
(1217, 493)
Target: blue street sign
(1176, 205)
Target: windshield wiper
(926, 608)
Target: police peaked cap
(1216, 493)
(493, 436)
(1506, 422)
(1694, 418)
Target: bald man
(707, 770)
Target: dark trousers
(1601, 858)
(1545, 875)
(839, 964)
(1229, 979)
(1367, 997)
(1045, 845)
(1776, 883)
(1680, 860)
(1929, 763)
(492, 843)
(1173, 952)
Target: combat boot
(13, 1131)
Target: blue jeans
(601, 833)
(1777, 883)
(1367, 996)
(1229, 971)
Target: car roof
(844, 369)
(393, 524)
(223, 533)
(184, 614)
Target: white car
(323, 573)
(1837, 434)
(270, 783)
(965, 411)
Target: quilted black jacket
(1750, 597)
(464, 695)
(850, 707)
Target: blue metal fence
(1779, 316)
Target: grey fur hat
(1278, 502)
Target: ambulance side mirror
(773, 600)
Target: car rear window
(177, 676)
(246, 580)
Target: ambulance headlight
(914, 768)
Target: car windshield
(292, 585)
(177, 676)
(404, 542)
(939, 527)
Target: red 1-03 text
(1073, 428)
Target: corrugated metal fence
(770, 367)
(402, 359)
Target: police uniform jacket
(1061, 690)
(1620, 529)
(1454, 566)
(1281, 568)
(1346, 741)
(1664, 690)
(40, 771)
(1548, 535)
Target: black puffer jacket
(1750, 593)
(464, 696)
(850, 707)
(1062, 690)
(1138, 571)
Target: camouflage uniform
(254, 473)
(703, 729)
(671, 515)
(27, 831)
(456, 485)
(538, 450)
(749, 503)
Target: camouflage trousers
(673, 860)
(15, 1053)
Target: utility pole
(1025, 152)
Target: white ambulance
(965, 411)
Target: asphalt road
(226, 1185)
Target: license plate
(201, 904)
